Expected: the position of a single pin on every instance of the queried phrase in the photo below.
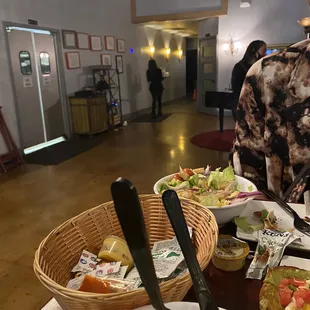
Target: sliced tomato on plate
(297, 282)
(258, 213)
(285, 296)
(299, 302)
(303, 293)
(284, 282)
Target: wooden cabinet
(89, 115)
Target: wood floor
(36, 199)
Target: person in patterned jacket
(273, 121)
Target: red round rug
(215, 140)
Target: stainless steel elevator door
(47, 68)
(26, 88)
(36, 85)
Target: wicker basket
(61, 249)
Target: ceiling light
(245, 4)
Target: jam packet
(269, 251)
(87, 262)
(105, 269)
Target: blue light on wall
(131, 50)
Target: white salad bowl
(223, 214)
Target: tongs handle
(177, 219)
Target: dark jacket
(155, 79)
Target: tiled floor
(35, 199)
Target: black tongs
(128, 209)
(177, 219)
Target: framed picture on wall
(119, 63)
(121, 47)
(273, 48)
(106, 60)
(69, 39)
(73, 60)
(95, 43)
(83, 41)
(109, 43)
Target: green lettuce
(279, 273)
(243, 224)
(210, 201)
(217, 179)
(193, 180)
(163, 187)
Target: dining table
(231, 290)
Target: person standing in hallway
(255, 51)
(154, 77)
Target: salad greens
(215, 188)
(263, 219)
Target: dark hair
(251, 51)
(152, 65)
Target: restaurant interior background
(143, 25)
(272, 21)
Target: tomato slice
(258, 214)
(284, 282)
(303, 293)
(299, 302)
(189, 171)
(307, 297)
(178, 177)
(285, 297)
(297, 282)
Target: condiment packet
(105, 269)
(269, 251)
(87, 262)
(120, 275)
(167, 255)
(75, 283)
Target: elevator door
(35, 74)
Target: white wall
(208, 26)
(158, 7)
(97, 17)
(274, 21)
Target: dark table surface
(231, 290)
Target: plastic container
(230, 253)
(115, 249)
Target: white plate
(297, 262)
(224, 214)
(177, 306)
(285, 221)
(53, 305)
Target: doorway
(191, 66)
(38, 89)
(207, 70)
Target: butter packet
(269, 251)
(75, 283)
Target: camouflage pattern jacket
(273, 120)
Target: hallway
(34, 200)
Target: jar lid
(231, 248)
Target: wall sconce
(180, 54)
(152, 51)
(167, 52)
(231, 48)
